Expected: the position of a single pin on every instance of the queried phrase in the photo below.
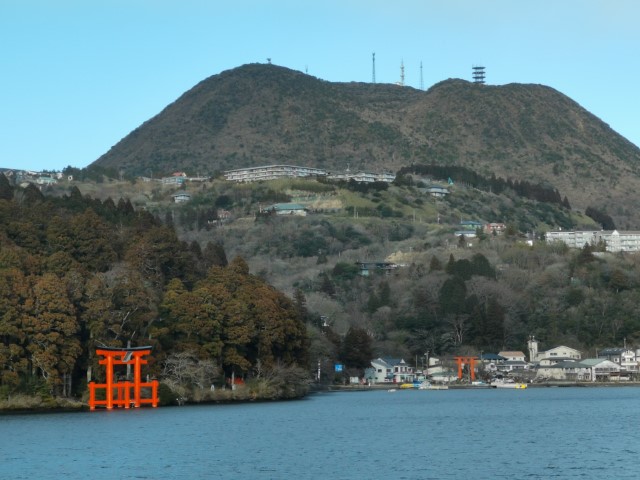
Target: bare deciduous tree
(184, 370)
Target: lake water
(565, 433)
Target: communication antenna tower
(373, 75)
(401, 82)
(478, 74)
(421, 79)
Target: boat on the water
(432, 386)
(501, 383)
(511, 385)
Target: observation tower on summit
(478, 74)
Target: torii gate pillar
(119, 394)
(471, 361)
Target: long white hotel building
(615, 241)
(273, 172)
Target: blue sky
(77, 76)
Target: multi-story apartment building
(615, 241)
(363, 177)
(272, 172)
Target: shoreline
(462, 386)
(74, 407)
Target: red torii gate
(471, 361)
(118, 394)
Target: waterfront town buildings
(625, 357)
(391, 370)
(587, 370)
(560, 363)
(511, 361)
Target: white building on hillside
(363, 177)
(614, 240)
(287, 209)
(272, 172)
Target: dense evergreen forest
(78, 273)
(541, 193)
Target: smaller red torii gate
(471, 361)
(119, 394)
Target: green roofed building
(287, 209)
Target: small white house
(624, 357)
(512, 365)
(512, 356)
(46, 180)
(561, 352)
(587, 370)
(181, 197)
(565, 370)
(599, 369)
(177, 178)
(392, 370)
(437, 191)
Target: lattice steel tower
(401, 81)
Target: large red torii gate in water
(119, 394)
(471, 361)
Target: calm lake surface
(586, 433)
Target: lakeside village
(507, 369)
(614, 240)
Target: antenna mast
(402, 73)
(373, 75)
(421, 79)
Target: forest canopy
(78, 273)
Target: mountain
(260, 114)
